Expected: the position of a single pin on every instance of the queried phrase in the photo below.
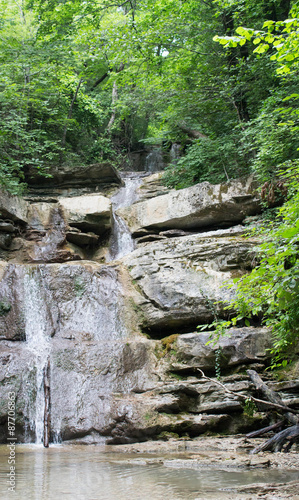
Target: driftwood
(284, 439)
(276, 443)
(264, 430)
(194, 134)
(272, 396)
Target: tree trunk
(194, 134)
(291, 434)
(69, 116)
(114, 100)
(47, 415)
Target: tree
(271, 290)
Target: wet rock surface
(60, 302)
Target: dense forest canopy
(83, 82)
(87, 81)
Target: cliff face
(118, 335)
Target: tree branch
(100, 80)
(70, 112)
(242, 396)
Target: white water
(154, 161)
(121, 242)
(38, 343)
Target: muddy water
(90, 473)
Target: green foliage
(271, 290)
(273, 136)
(249, 407)
(83, 82)
(281, 36)
(215, 161)
(5, 307)
(79, 286)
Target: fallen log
(275, 443)
(264, 430)
(289, 435)
(285, 437)
(273, 397)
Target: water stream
(154, 161)
(38, 343)
(94, 473)
(121, 242)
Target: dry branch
(278, 406)
(275, 443)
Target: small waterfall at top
(154, 161)
(175, 152)
(38, 343)
(121, 242)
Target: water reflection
(86, 473)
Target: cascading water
(154, 161)
(122, 242)
(38, 343)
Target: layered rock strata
(120, 337)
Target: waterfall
(175, 152)
(121, 242)
(38, 343)
(154, 161)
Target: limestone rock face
(73, 176)
(86, 321)
(241, 346)
(88, 212)
(13, 208)
(195, 207)
(12, 324)
(74, 316)
(151, 187)
(177, 279)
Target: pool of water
(73, 472)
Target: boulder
(13, 208)
(200, 206)
(178, 281)
(151, 187)
(88, 212)
(82, 239)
